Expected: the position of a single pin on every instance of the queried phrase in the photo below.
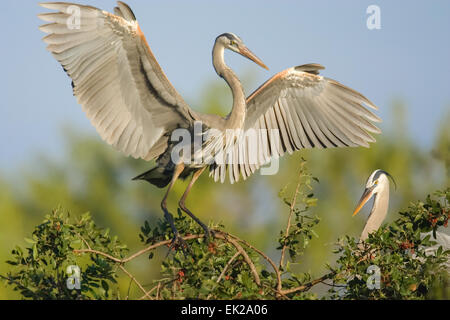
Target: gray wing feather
(308, 111)
(116, 78)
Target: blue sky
(408, 58)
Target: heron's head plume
(377, 181)
(234, 43)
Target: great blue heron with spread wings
(377, 186)
(134, 107)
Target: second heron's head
(376, 183)
(234, 43)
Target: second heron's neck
(235, 120)
(378, 213)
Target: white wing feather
(116, 78)
(306, 110)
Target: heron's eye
(233, 43)
(376, 182)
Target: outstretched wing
(116, 77)
(298, 109)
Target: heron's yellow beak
(250, 55)
(364, 198)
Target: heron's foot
(177, 240)
(209, 233)
(179, 243)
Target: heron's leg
(182, 205)
(167, 215)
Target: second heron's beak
(364, 198)
(243, 50)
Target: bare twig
(291, 213)
(99, 253)
(262, 254)
(307, 286)
(222, 274)
(84, 241)
(151, 291)
(246, 258)
(288, 226)
(158, 290)
(146, 294)
(233, 240)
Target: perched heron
(134, 107)
(377, 186)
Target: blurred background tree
(91, 177)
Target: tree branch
(146, 294)
(234, 241)
(291, 213)
(307, 286)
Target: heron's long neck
(378, 213)
(236, 118)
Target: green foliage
(399, 251)
(194, 274)
(88, 175)
(40, 270)
(224, 267)
(219, 270)
(227, 267)
(300, 231)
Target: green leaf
(30, 241)
(35, 252)
(105, 286)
